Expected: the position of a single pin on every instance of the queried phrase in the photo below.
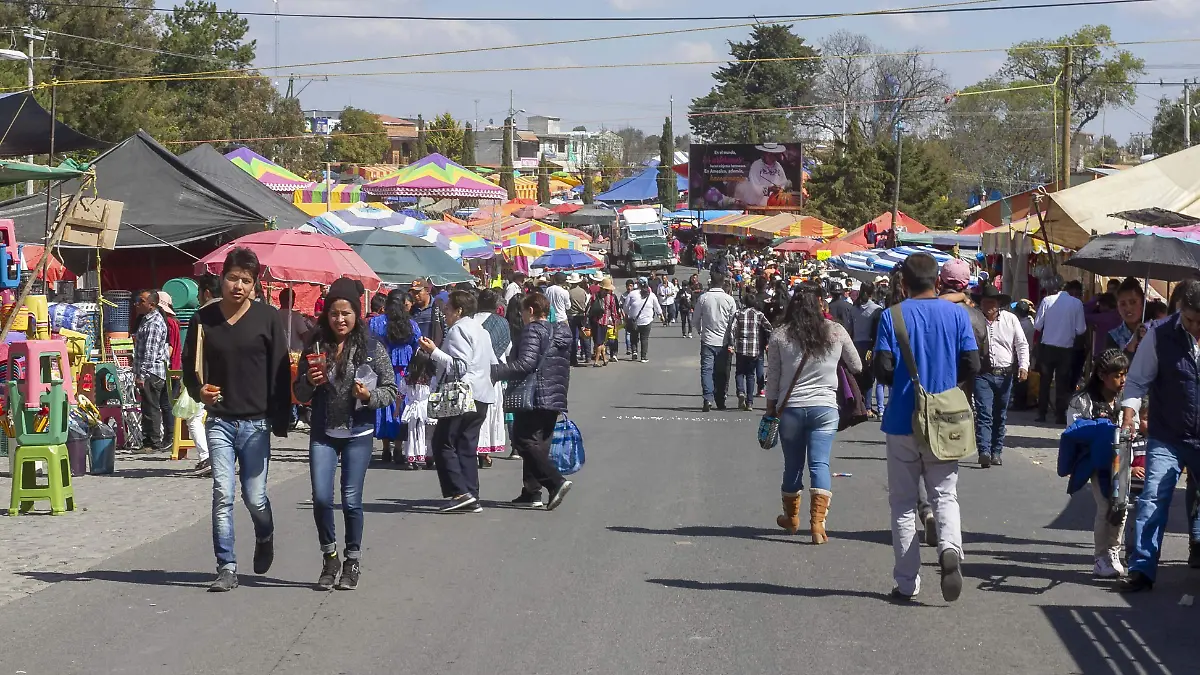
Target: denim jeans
(323, 455)
(882, 391)
(807, 434)
(992, 393)
(744, 375)
(248, 444)
(714, 373)
(1164, 463)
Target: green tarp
(12, 173)
(400, 259)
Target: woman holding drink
(348, 377)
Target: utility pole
(30, 37)
(896, 195)
(475, 122)
(1187, 114)
(1068, 89)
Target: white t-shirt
(560, 300)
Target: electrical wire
(580, 19)
(139, 48)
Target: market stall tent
(400, 259)
(1080, 212)
(267, 172)
(205, 160)
(435, 176)
(883, 223)
(640, 188)
(26, 126)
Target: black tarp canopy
(26, 126)
(166, 201)
(205, 160)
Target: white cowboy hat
(574, 278)
(771, 147)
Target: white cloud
(686, 50)
(634, 5)
(919, 23)
(1176, 9)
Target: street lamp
(14, 55)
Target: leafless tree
(908, 89)
(846, 77)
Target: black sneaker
(329, 570)
(1136, 583)
(349, 579)
(459, 503)
(741, 402)
(985, 460)
(930, 530)
(996, 461)
(1194, 555)
(264, 555)
(557, 497)
(528, 499)
(226, 581)
(898, 597)
(952, 578)
(387, 456)
(707, 406)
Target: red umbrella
(577, 233)
(532, 212)
(564, 209)
(799, 245)
(297, 257)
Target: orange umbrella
(840, 246)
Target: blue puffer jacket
(1086, 448)
(552, 344)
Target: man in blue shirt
(946, 355)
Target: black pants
(532, 431)
(685, 320)
(1055, 362)
(643, 333)
(154, 390)
(578, 323)
(866, 379)
(721, 367)
(456, 447)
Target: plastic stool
(58, 489)
(182, 439)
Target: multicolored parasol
(435, 176)
(472, 245)
(541, 235)
(267, 172)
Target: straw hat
(607, 284)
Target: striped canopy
(435, 176)
(363, 218)
(795, 225)
(737, 225)
(267, 172)
(471, 244)
(541, 235)
(337, 194)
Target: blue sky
(640, 96)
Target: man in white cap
(765, 175)
(577, 314)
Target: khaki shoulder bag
(943, 423)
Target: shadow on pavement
(689, 408)
(646, 393)
(769, 589)
(730, 531)
(969, 539)
(1030, 442)
(1150, 637)
(161, 578)
(873, 459)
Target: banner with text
(761, 177)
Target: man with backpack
(924, 349)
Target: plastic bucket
(77, 452)
(116, 319)
(102, 454)
(184, 292)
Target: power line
(596, 19)
(137, 47)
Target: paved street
(665, 558)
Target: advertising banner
(763, 176)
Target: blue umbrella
(565, 259)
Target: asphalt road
(664, 559)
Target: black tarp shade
(26, 130)
(205, 160)
(1156, 217)
(166, 202)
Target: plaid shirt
(747, 331)
(150, 352)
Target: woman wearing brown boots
(802, 380)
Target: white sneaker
(1107, 567)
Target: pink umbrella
(533, 212)
(292, 256)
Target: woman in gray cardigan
(802, 380)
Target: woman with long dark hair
(349, 376)
(802, 380)
(399, 335)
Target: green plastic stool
(25, 489)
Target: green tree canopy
(444, 136)
(745, 85)
(468, 146)
(924, 182)
(848, 189)
(1166, 133)
(360, 138)
(506, 160)
(668, 194)
(543, 185)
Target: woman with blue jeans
(802, 380)
(338, 381)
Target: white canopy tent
(1171, 182)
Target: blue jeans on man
(714, 374)
(246, 443)
(1164, 463)
(323, 455)
(992, 392)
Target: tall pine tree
(848, 190)
(468, 151)
(668, 195)
(543, 193)
(589, 185)
(506, 160)
(924, 182)
(422, 148)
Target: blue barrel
(116, 319)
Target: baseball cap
(955, 274)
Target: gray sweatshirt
(817, 385)
(713, 313)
